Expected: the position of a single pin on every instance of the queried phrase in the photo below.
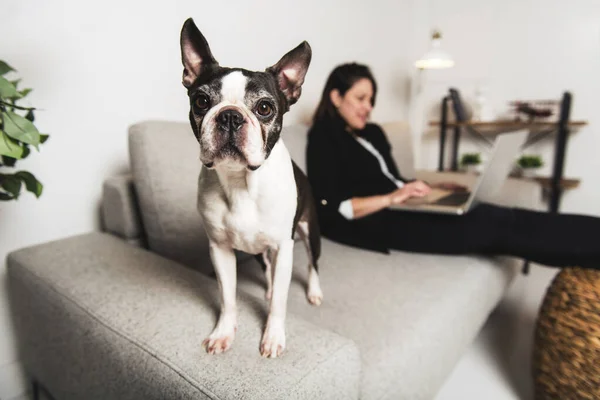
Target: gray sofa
(121, 313)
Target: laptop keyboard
(453, 199)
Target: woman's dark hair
(341, 78)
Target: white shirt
(345, 207)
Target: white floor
(497, 365)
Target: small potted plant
(18, 135)
(529, 165)
(471, 162)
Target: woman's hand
(412, 189)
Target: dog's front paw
(273, 340)
(314, 294)
(216, 344)
(221, 339)
(315, 297)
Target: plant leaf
(15, 83)
(9, 161)
(26, 151)
(11, 184)
(9, 147)
(7, 89)
(31, 183)
(20, 128)
(5, 196)
(43, 137)
(29, 116)
(5, 68)
(25, 92)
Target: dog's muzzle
(230, 121)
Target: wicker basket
(566, 354)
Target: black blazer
(339, 168)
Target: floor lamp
(434, 58)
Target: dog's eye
(202, 102)
(264, 108)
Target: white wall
(525, 50)
(98, 67)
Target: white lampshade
(435, 58)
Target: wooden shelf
(494, 128)
(509, 124)
(565, 184)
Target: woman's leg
(557, 240)
(481, 230)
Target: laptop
(506, 147)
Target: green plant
(17, 134)
(470, 159)
(530, 161)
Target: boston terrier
(251, 195)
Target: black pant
(557, 240)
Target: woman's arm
(325, 172)
(363, 206)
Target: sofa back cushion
(165, 167)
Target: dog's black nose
(230, 120)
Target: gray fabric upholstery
(120, 213)
(294, 137)
(412, 315)
(165, 167)
(99, 319)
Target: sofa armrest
(97, 318)
(120, 213)
(514, 192)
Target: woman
(355, 180)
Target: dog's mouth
(228, 153)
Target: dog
(251, 195)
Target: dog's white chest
(244, 224)
(249, 229)
(250, 215)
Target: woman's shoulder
(374, 128)
(375, 134)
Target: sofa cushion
(295, 137)
(99, 319)
(165, 166)
(411, 315)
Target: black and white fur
(251, 196)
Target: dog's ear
(291, 70)
(195, 53)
